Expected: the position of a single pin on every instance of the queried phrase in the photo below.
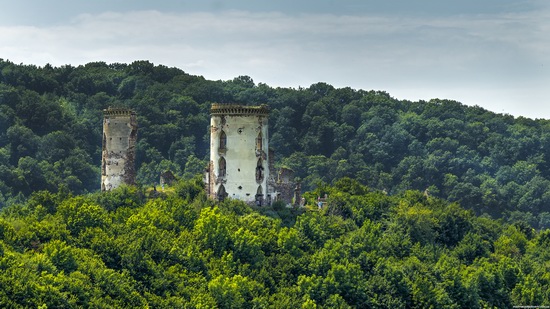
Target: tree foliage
(429, 203)
(120, 249)
(50, 137)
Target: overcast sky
(491, 53)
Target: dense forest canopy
(50, 136)
(365, 249)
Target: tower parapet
(221, 109)
(118, 148)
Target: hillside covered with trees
(50, 136)
(123, 249)
(430, 204)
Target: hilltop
(50, 136)
(414, 190)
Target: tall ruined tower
(239, 162)
(119, 148)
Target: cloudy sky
(491, 53)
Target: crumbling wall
(210, 181)
(167, 178)
(287, 190)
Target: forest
(365, 249)
(431, 204)
(50, 136)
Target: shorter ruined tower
(239, 162)
(119, 148)
(285, 188)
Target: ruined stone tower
(118, 154)
(239, 162)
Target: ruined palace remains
(241, 165)
(118, 152)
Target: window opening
(221, 193)
(259, 171)
(259, 142)
(259, 196)
(223, 140)
(222, 168)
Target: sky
(490, 53)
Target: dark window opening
(259, 142)
(221, 193)
(259, 171)
(222, 168)
(223, 140)
(259, 196)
